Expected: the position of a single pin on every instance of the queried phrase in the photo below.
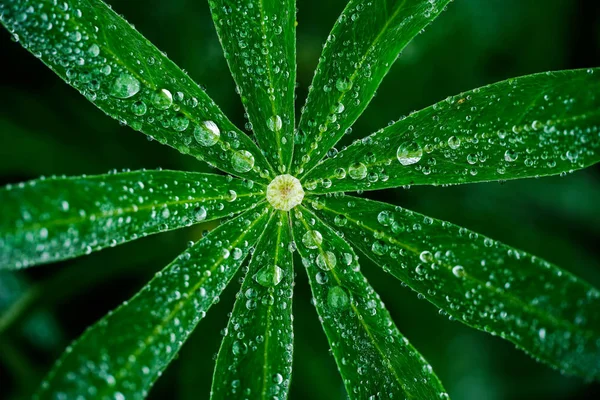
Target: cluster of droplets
(259, 50)
(352, 66)
(259, 332)
(477, 280)
(172, 304)
(363, 338)
(125, 207)
(464, 139)
(142, 89)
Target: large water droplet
(207, 133)
(274, 123)
(269, 276)
(312, 239)
(453, 142)
(409, 153)
(242, 161)
(459, 271)
(338, 298)
(357, 171)
(124, 86)
(510, 155)
(162, 99)
(326, 261)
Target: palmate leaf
(122, 355)
(363, 45)
(53, 219)
(259, 40)
(374, 359)
(544, 310)
(107, 60)
(255, 359)
(536, 125)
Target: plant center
(285, 192)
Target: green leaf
(536, 125)
(255, 359)
(360, 50)
(124, 353)
(53, 219)
(259, 40)
(374, 359)
(108, 61)
(544, 310)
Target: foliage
(537, 125)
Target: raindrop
(459, 271)
(338, 298)
(510, 155)
(124, 86)
(357, 171)
(326, 261)
(274, 123)
(269, 276)
(312, 239)
(409, 153)
(242, 161)
(453, 142)
(207, 133)
(162, 99)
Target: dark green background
(48, 128)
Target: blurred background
(47, 128)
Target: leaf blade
(246, 364)
(54, 219)
(373, 357)
(479, 281)
(107, 60)
(146, 332)
(359, 52)
(259, 41)
(536, 125)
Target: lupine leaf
(374, 359)
(255, 359)
(108, 61)
(259, 40)
(53, 219)
(122, 355)
(544, 310)
(360, 50)
(536, 125)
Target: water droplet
(139, 108)
(343, 85)
(274, 123)
(459, 271)
(312, 239)
(269, 276)
(357, 171)
(207, 133)
(326, 261)
(162, 99)
(409, 153)
(124, 86)
(453, 142)
(338, 298)
(242, 161)
(510, 155)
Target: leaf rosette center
(285, 192)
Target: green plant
(538, 125)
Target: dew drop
(409, 153)
(274, 123)
(459, 271)
(326, 261)
(312, 239)
(510, 155)
(124, 86)
(453, 142)
(207, 133)
(337, 298)
(357, 171)
(242, 161)
(269, 276)
(162, 99)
